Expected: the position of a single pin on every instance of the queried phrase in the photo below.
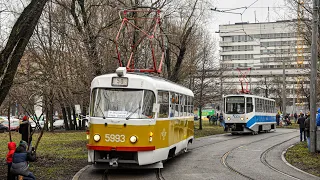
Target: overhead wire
(242, 22)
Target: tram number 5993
(115, 138)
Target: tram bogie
(138, 120)
(245, 113)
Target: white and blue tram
(245, 113)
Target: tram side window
(177, 104)
(249, 105)
(163, 100)
(148, 101)
(186, 107)
(266, 109)
(265, 106)
(259, 105)
(273, 107)
(191, 105)
(270, 107)
(172, 105)
(183, 106)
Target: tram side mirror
(156, 107)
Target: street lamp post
(313, 79)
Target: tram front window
(235, 105)
(122, 103)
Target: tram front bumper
(235, 126)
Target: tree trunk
(64, 114)
(50, 117)
(89, 40)
(19, 37)
(46, 122)
(200, 117)
(74, 118)
(168, 61)
(183, 47)
(69, 117)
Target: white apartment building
(268, 49)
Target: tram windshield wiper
(128, 117)
(100, 108)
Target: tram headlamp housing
(228, 118)
(133, 139)
(96, 137)
(241, 118)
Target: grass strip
(300, 157)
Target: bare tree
(13, 51)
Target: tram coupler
(114, 162)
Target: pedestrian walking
(12, 148)
(221, 120)
(307, 130)
(25, 130)
(295, 117)
(318, 117)
(278, 119)
(301, 121)
(20, 160)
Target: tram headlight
(150, 136)
(133, 139)
(96, 137)
(228, 118)
(241, 118)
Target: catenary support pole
(284, 105)
(313, 78)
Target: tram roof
(248, 95)
(157, 83)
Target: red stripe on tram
(121, 148)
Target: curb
(288, 164)
(78, 174)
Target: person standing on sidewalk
(25, 130)
(301, 121)
(307, 130)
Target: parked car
(3, 128)
(14, 125)
(33, 124)
(58, 124)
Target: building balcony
(241, 43)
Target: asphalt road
(225, 156)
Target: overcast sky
(277, 10)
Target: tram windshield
(235, 105)
(122, 103)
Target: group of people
(304, 125)
(216, 118)
(18, 158)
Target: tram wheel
(234, 133)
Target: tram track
(157, 172)
(263, 159)
(225, 156)
(209, 144)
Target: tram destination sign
(235, 99)
(119, 81)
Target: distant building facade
(267, 49)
